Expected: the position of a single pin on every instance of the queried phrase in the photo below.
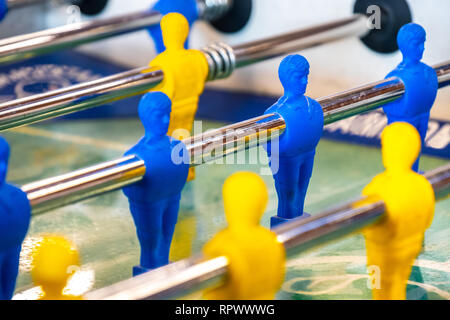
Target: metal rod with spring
(58, 191)
(190, 275)
(37, 43)
(222, 60)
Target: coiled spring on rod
(211, 10)
(221, 60)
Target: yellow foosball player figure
(396, 240)
(256, 259)
(185, 73)
(55, 259)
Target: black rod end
(90, 7)
(392, 15)
(236, 18)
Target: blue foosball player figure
(420, 80)
(15, 213)
(3, 9)
(155, 200)
(292, 162)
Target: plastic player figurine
(3, 9)
(15, 212)
(421, 83)
(54, 260)
(395, 242)
(185, 73)
(154, 201)
(188, 8)
(256, 258)
(292, 164)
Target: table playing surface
(103, 230)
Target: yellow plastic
(395, 242)
(55, 259)
(185, 73)
(256, 258)
(183, 238)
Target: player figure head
(400, 146)
(4, 156)
(175, 30)
(411, 41)
(293, 73)
(245, 198)
(54, 260)
(154, 112)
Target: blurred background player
(15, 214)
(421, 83)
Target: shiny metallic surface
(443, 71)
(55, 192)
(221, 60)
(211, 10)
(253, 52)
(227, 140)
(68, 36)
(440, 179)
(179, 279)
(13, 4)
(76, 98)
(362, 99)
(296, 236)
(37, 43)
(299, 235)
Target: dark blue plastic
(421, 83)
(15, 213)
(188, 8)
(155, 200)
(3, 9)
(293, 162)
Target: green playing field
(104, 232)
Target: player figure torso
(421, 85)
(186, 92)
(15, 216)
(162, 172)
(304, 125)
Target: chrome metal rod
(361, 99)
(81, 184)
(222, 60)
(58, 191)
(250, 53)
(224, 141)
(14, 4)
(190, 275)
(443, 72)
(218, 143)
(30, 45)
(82, 96)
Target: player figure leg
(286, 185)
(421, 125)
(150, 234)
(305, 173)
(169, 220)
(8, 272)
